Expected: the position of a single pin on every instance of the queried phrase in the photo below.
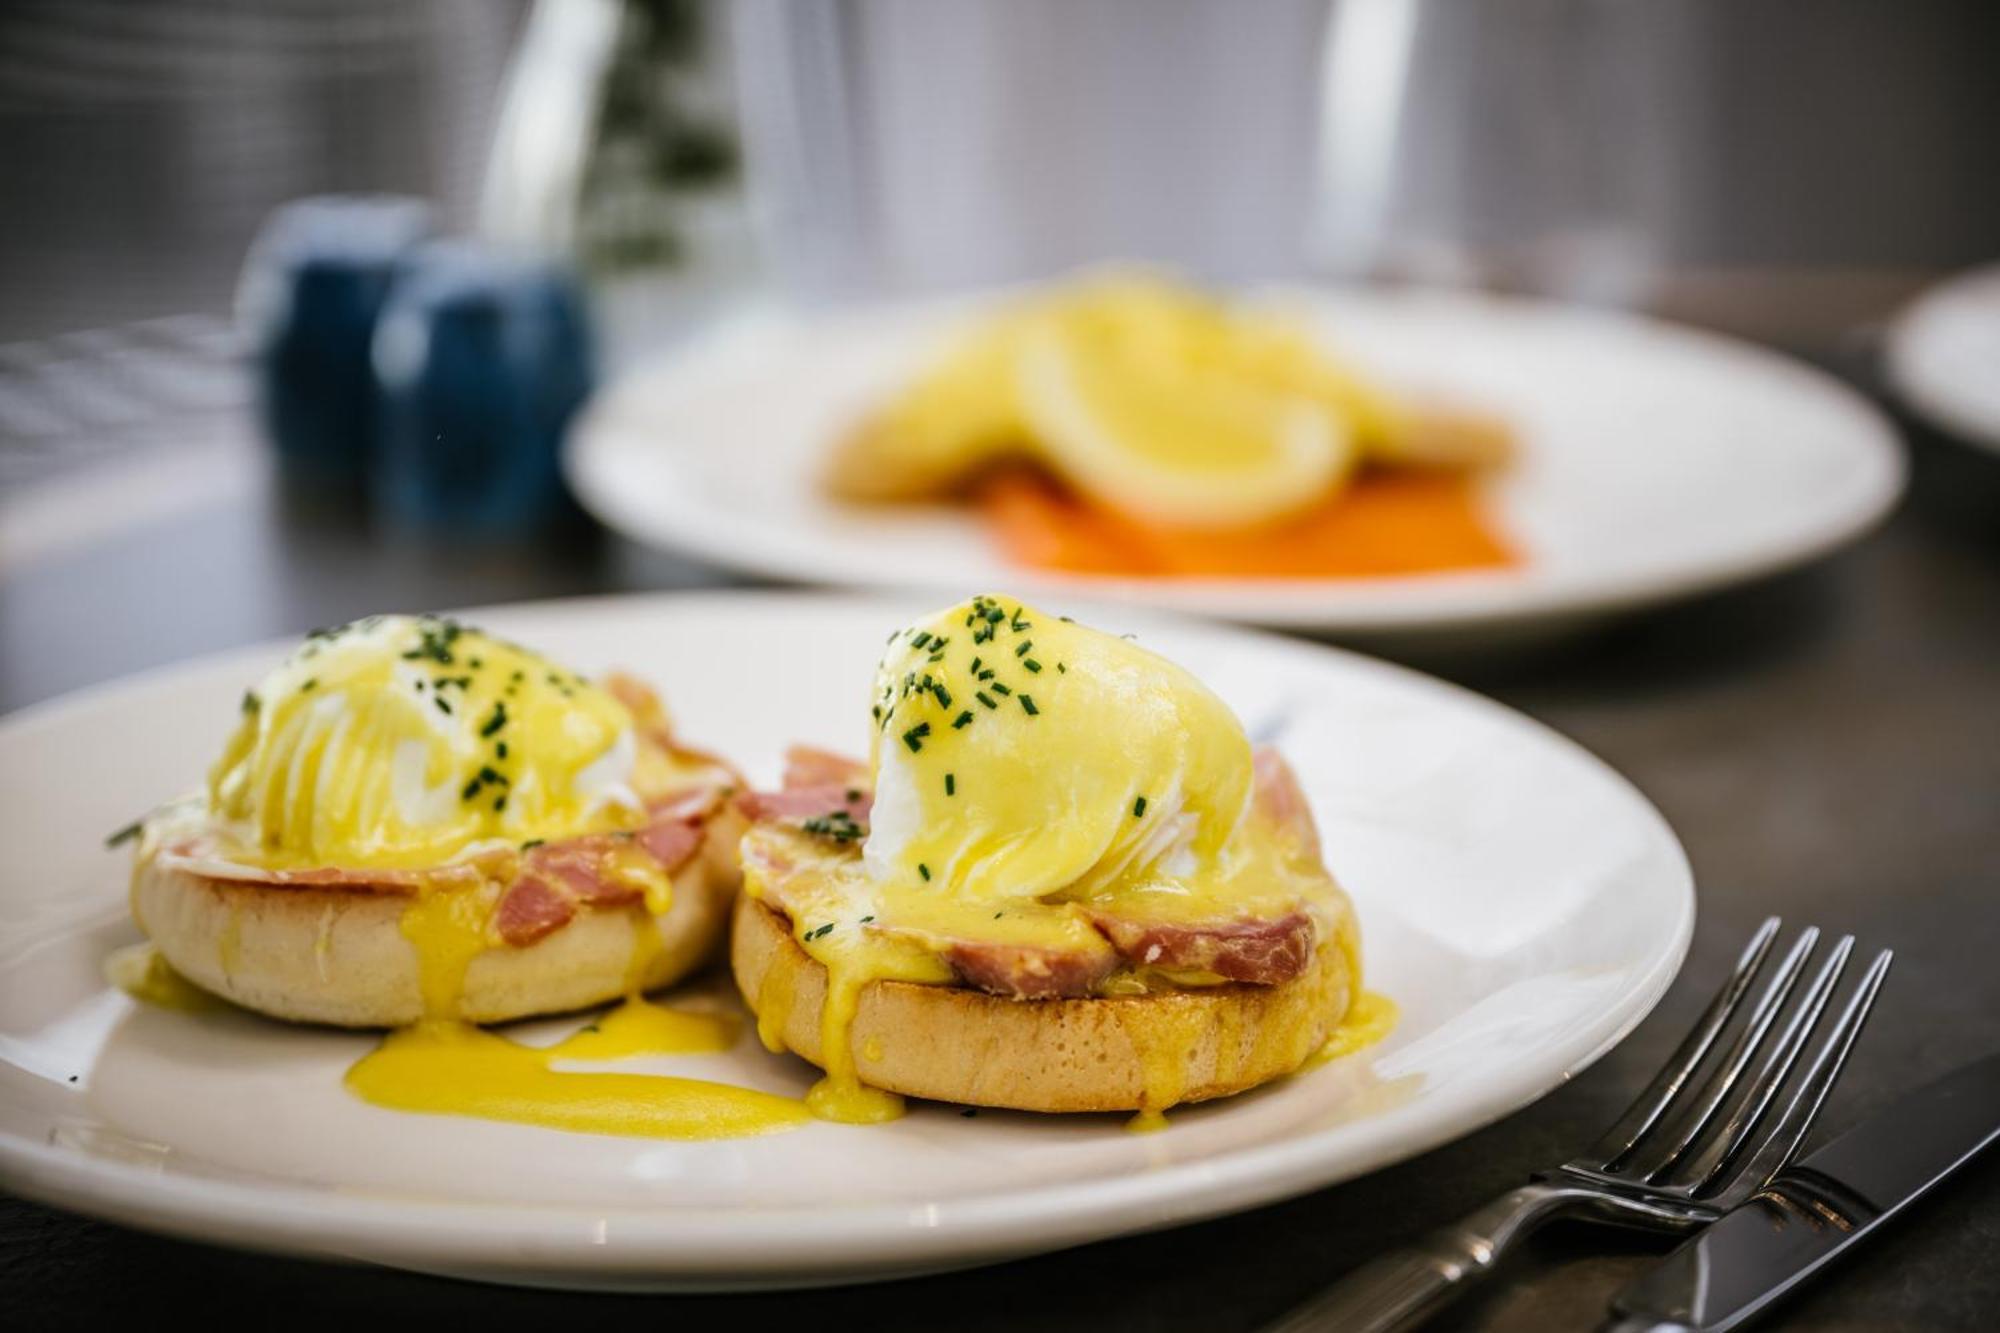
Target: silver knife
(1815, 1209)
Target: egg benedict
(413, 820)
(1064, 880)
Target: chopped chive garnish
(251, 703)
(925, 871)
(1026, 646)
(962, 721)
(835, 824)
(436, 638)
(950, 785)
(914, 737)
(126, 834)
(443, 707)
(921, 639)
(497, 721)
(311, 683)
(976, 663)
(500, 750)
(998, 688)
(854, 793)
(943, 695)
(500, 802)
(1028, 702)
(868, 918)
(1139, 808)
(1032, 665)
(982, 697)
(532, 843)
(1064, 669)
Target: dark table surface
(1827, 744)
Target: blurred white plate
(1944, 355)
(1522, 904)
(1659, 462)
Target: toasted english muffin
(1095, 1053)
(341, 952)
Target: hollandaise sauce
(443, 1066)
(1369, 1019)
(447, 1068)
(841, 1095)
(140, 971)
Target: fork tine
(1696, 1168)
(1652, 1103)
(1689, 1123)
(1775, 1153)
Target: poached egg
(406, 741)
(1020, 756)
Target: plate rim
(1909, 367)
(812, 1245)
(1402, 604)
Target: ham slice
(824, 793)
(822, 787)
(671, 842)
(200, 856)
(809, 767)
(1275, 793)
(804, 807)
(559, 877)
(1257, 951)
(530, 909)
(1021, 973)
(546, 885)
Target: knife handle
(1403, 1288)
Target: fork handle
(1403, 1288)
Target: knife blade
(1816, 1209)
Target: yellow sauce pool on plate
(446, 1068)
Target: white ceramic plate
(1659, 462)
(1944, 355)
(1520, 901)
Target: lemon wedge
(1153, 398)
(1142, 426)
(959, 413)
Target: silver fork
(1679, 1158)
